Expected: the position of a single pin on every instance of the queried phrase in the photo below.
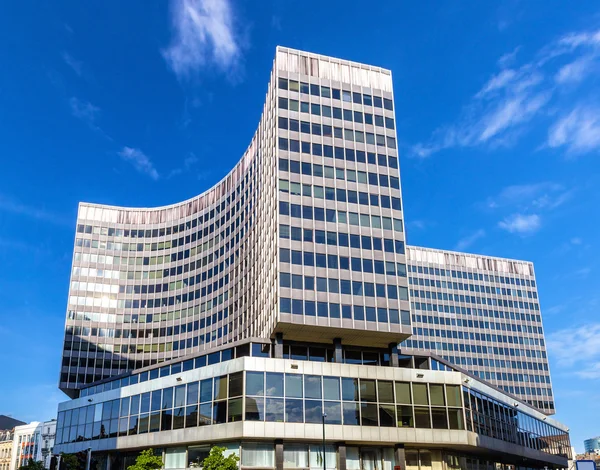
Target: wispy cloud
(577, 349)
(521, 224)
(74, 64)
(525, 204)
(203, 35)
(534, 196)
(578, 131)
(188, 163)
(85, 111)
(500, 111)
(467, 241)
(140, 161)
(12, 206)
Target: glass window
(234, 409)
(274, 387)
(295, 456)
(293, 385)
(293, 409)
(349, 389)
(312, 386)
(387, 415)
(405, 416)
(436, 392)
(386, 391)
(403, 392)
(422, 419)
(255, 383)
(420, 394)
(453, 395)
(274, 410)
(367, 390)
(351, 414)
(255, 409)
(331, 388)
(236, 384)
(333, 409)
(206, 390)
(368, 413)
(220, 387)
(314, 411)
(455, 418)
(438, 418)
(258, 455)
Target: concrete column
(278, 454)
(393, 354)
(278, 345)
(341, 450)
(108, 461)
(400, 457)
(337, 353)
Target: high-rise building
(265, 314)
(592, 445)
(483, 314)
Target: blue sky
(145, 103)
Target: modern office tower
(592, 445)
(264, 315)
(482, 314)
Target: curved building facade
(265, 314)
(304, 237)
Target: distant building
(33, 441)
(6, 442)
(592, 445)
(7, 423)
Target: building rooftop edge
(440, 250)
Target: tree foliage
(217, 461)
(147, 461)
(69, 461)
(32, 465)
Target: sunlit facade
(247, 315)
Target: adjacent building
(6, 442)
(265, 314)
(33, 441)
(592, 445)
(483, 314)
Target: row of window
(471, 288)
(342, 217)
(335, 310)
(324, 171)
(178, 228)
(473, 276)
(333, 261)
(475, 335)
(337, 286)
(521, 317)
(322, 237)
(317, 109)
(346, 96)
(474, 300)
(339, 194)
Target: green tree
(69, 461)
(32, 465)
(217, 461)
(147, 461)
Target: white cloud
(188, 163)
(85, 111)
(501, 110)
(73, 63)
(521, 224)
(578, 131)
(12, 206)
(535, 196)
(467, 241)
(203, 34)
(140, 161)
(577, 349)
(575, 71)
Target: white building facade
(33, 441)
